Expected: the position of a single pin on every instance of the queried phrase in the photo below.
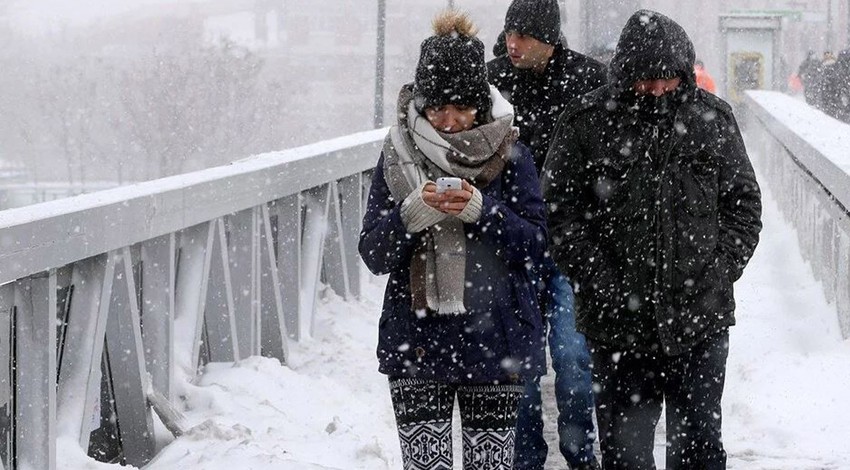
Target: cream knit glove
(416, 215)
(472, 212)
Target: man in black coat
(835, 99)
(654, 211)
(809, 73)
(540, 76)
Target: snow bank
(329, 410)
(786, 402)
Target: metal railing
(805, 157)
(106, 297)
(24, 194)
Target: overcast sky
(44, 16)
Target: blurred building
(819, 25)
(334, 41)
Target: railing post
(336, 260)
(843, 279)
(127, 366)
(7, 371)
(35, 372)
(220, 314)
(315, 231)
(191, 295)
(289, 242)
(242, 246)
(158, 283)
(351, 204)
(273, 328)
(80, 377)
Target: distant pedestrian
(654, 212)
(809, 73)
(460, 318)
(704, 79)
(835, 98)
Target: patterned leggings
(423, 412)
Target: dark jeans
(573, 393)
(631, 387)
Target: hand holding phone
(446, 183)
(435, 195)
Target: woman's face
(451, 118)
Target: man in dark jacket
(809, 73)
(835, 100)
(540, 76)
(654, 211)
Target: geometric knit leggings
(423, 413)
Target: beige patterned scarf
(415, 152)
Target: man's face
(526, 52)
(657, 87)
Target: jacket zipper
(659, 233)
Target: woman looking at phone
(460, 315)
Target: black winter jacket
(835, 99)
(652, 217)
(539, 99)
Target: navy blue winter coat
(500, 338)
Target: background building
(818, 25)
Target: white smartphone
(447, 183)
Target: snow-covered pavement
(787, 400)
(786, 404)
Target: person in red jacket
(704, 80)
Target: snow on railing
(24, 194)
(107, 296)
(805, 157)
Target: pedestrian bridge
(110, 300)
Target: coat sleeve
(599, 77)
(385, 244)
(568, 198)
(517, 224)
(739, 202)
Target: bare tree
(71, 105)
(139, 115)
(198, 107)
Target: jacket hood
(652, 46)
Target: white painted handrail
(157, 278)
(805, 156)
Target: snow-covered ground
(786, 403)
(787, 400)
